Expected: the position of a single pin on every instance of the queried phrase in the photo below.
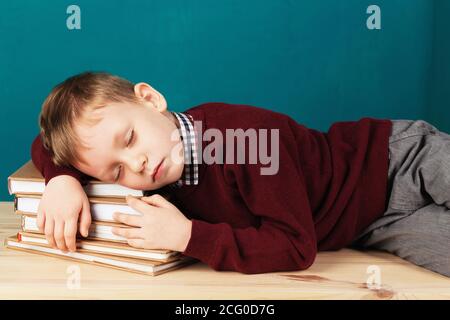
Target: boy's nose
(139, 164)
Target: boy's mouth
(155, 171)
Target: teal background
(314, 60)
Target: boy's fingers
(59, 235)
(41, 221)
(134, 233)
(137, 243)
(138, 204)
(49, 227)
(70, 233)
(129, 219)
(157, 200)
(85, 220)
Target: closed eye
(117, 176)
(131, 138)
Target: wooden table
(334, 275)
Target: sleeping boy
(372, 183)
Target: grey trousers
(416, 224)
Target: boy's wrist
(186, 236)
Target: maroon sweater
(328, 188)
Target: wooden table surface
(335, 275)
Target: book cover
(28, 179)
(107, 247)
(97, 230)
(141, 266)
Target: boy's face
(154, 140)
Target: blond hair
(73, 101)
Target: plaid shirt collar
(187, 135)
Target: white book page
(99, 211)
(91, 189)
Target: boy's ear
(146, 93)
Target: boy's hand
(161, 225)
(63, 201)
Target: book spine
(15, 203)
(9, 186)
(23, 223)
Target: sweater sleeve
(285, 240)
(42, 159)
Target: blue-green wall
(438, 108)
(314, 60)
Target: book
(97, 230)
(102, 208)
(148, 267)
(107, 247)
(101, 247)
(28, 179)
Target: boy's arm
(285, 239)
(41, 158)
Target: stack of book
(101, 247)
